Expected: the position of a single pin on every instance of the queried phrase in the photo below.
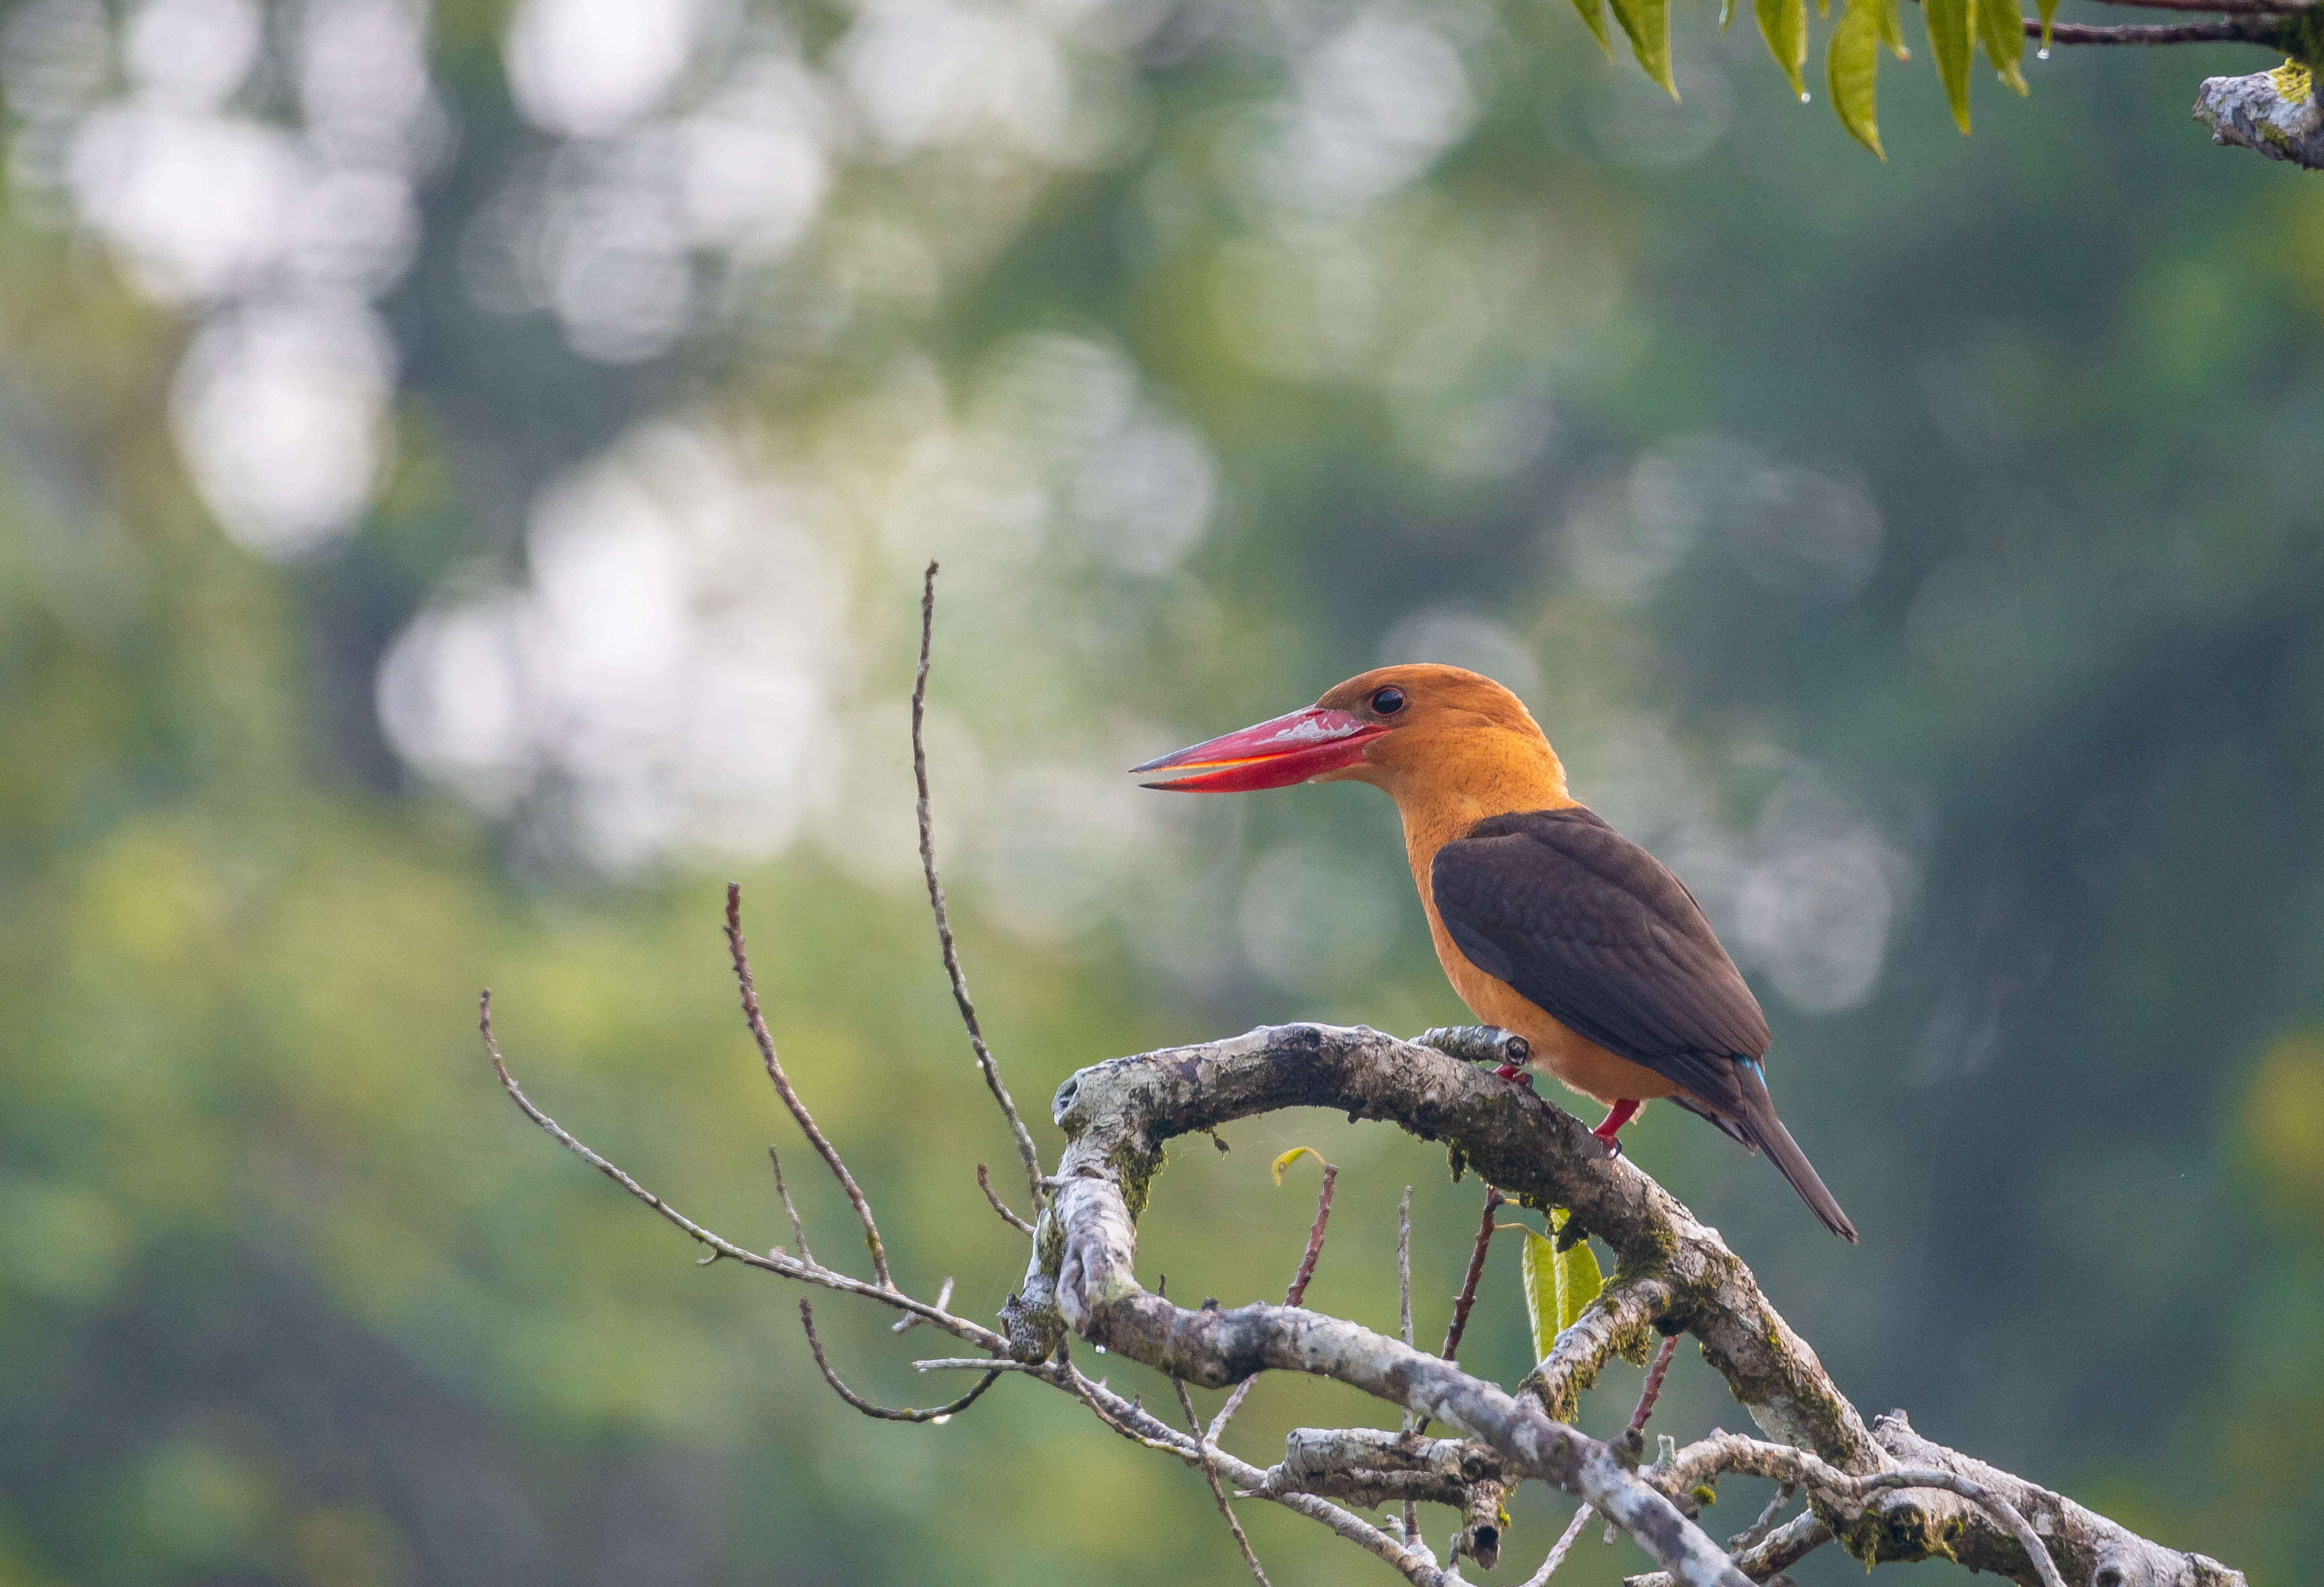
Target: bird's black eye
(1386, 702)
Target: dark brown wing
(1589, 925)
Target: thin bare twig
(1404, 1328)
(1467, 1299)
(1025, 1147)
(798, 1229)
(805, 1271)
(984, 1183)
(1291, 1296)
(757, 1024)
(1210, 1475)
(2197, 32)
(2261, 27)
(941, 1413)
(1653, 1390)
(1563, 1547)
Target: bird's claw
(1514, 1072)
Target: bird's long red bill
(1274, 754)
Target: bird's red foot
(1515, 1072)
(1609, 1132)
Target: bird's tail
(1768, 1133)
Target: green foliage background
(289, 1293)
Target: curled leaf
(1784, 24)
(1852, 67)
(1647, 24)
(1593, 13)
(1291, 1157)
(1952, 36)
(2001, 29)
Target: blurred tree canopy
(463, 477)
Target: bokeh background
(463, 479)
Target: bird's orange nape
(1277, 754)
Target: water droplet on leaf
(1803, 97)
(2043, 53)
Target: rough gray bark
(2274, 113)
(1884, 1492)
(1673, 1274)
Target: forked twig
(1210, 1475)
(905, 1324)
(798, 1229)
(933, 1414)
(758, 1023)
(776, 1261)
(984, 1060)
(1291, 1296)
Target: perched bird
(1548, 922)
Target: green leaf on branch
(1892, 31)
(1558, 1284)
(2048, 8)
(1594, 11)
(1784, 24)
(1952, 36)
(1852, 66)
(1648, 23)
(2001, 29)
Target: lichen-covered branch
(2273, 113)
(1673, 1274)
(1883, 1491)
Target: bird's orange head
(1421, 731)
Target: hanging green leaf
(1952, 34)
(2001, 29)
(1892, 31)
(1852, 67)
(1558, 1284)
(1594, 11)
(1725, 13)
(2048, 8)
(1784, 24)
(1647, 21)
